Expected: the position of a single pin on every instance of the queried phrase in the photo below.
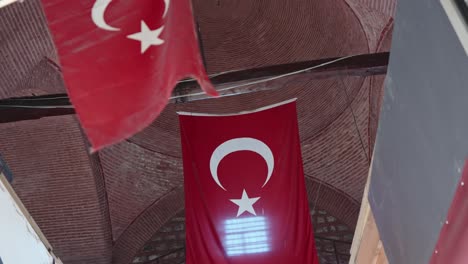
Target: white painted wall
(19, 243)
(6, 2)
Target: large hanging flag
(245, 197)
(121, 59)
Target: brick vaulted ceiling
(104, 208)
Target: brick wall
(25, 43)
(387, 7)
(245, 34)
(334, 201)
(134, 192)
(149, 223)
(332, 237)
(103, 199)
(135, 178)
(54, 180)
(338, 155)
(146, 225)
(167, 245)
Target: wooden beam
(363, 65)
(370, 249)
(228, 84)
(367, 248)
(15, 114)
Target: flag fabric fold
(245, 193)
(121, 59)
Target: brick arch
(155, 216)
(334, 201)
(146, 224)
(60, 185)
(386, 36)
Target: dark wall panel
(422, 139)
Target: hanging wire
(192, 94)
(268, 79)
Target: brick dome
(105, 208)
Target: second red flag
(245, 193)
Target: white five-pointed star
(147, 37)
(245, 204)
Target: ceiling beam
(254, 80)
(228, 84)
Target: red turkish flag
(121, 60)
(245, 197)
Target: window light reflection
(247, 235)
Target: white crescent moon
(97, 14)
(239, 144)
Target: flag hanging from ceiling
(245, 196)
(121, 59)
